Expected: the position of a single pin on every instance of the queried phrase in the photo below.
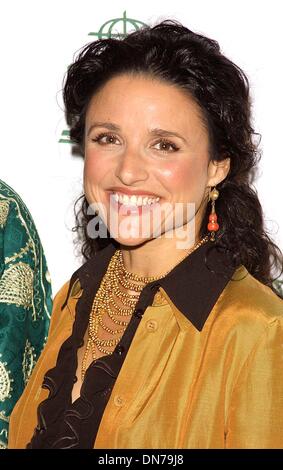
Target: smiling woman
(151, 171)
(173, 321)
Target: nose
(131, 167)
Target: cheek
(93, 167)
(186, 179)
(94, 173)
(90, 165)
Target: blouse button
(151, 325)
(118, 400)
(75, 379)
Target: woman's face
(147, 138)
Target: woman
(157, 342)
(25, 301)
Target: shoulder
(247, 313)
(61, 294)
(58, 303)
(65, 299)
(252, 299)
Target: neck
(155, 257)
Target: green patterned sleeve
(25, 301)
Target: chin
(131, 241)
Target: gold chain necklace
(105, 303)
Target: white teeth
(134, 200)
(144, 201)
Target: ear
(217, 171)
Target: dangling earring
(212, 225)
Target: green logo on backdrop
(124, 25)
(106, 30)
(65, 137)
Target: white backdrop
(38, 41)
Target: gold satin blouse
(204, 369)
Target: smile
(134, 200)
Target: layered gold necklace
(105, 304)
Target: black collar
(194, 285)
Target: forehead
(147, 94)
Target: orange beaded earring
(212, 225)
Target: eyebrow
(155, 132)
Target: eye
(108, 138)
(165, 146)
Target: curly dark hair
(192, 62)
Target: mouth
(135, 204)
